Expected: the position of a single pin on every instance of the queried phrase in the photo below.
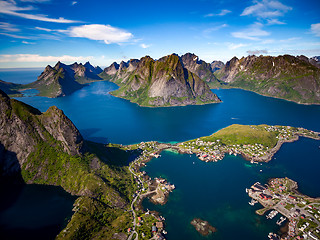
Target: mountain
(216, 65)
(46, 148)
(165, 82)
(9, 88)
(62, 79)
(287, 77)
(199, 67)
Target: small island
(281, 196)
(203, 227)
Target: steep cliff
(46, 148)
(164, 82)
(287, 77)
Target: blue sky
(35, 33)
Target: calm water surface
(212, 191)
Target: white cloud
(268, 41)
(74, 3)
(11, 8)
(14, 36)
(51, 30)
(35, 1)
(251, 33)
(266, 9)
(222, 13)
(7, 58)
(144, 45)
(233, 46)
(315, 29)
(25, 42)
(256, 52)
(105, 33)
(8, 27)
(209, 30)
(274, 22)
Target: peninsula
(281, 196)
(256, 143)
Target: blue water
(216, 191)
(33, 211)
(212, 191)
(20, 75)
(102, 117)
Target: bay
(212, 191)
(102, 117)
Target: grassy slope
(104, 182)
(244, 134)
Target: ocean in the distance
(213, 191)
(20, 75)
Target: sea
(212, 191)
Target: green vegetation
(99, 175)
(286, 77)
(244, 134)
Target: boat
(253, 202)
(281, 220)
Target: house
(159, 225)
(154, 229)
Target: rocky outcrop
(23, 127)
(199, 67)
(165, 82)
(62, 79)
(216, 65)
(203, 227)
(287, 77)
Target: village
(280, 196)
(213, 151)
(148, 224)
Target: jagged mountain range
(163, 82)
(287, 77)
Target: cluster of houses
(303, 216)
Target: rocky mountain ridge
(46, 148)
(287, 77)
(163, 82)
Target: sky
(36, 33)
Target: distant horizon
(126, 60)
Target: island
(281, 196)
(203, 227)
(159, 83)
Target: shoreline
(281, 195)
(264, 95)
(150, 188)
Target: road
(133, 211)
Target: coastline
(264, 95)
(281, 195)
(150, 187)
